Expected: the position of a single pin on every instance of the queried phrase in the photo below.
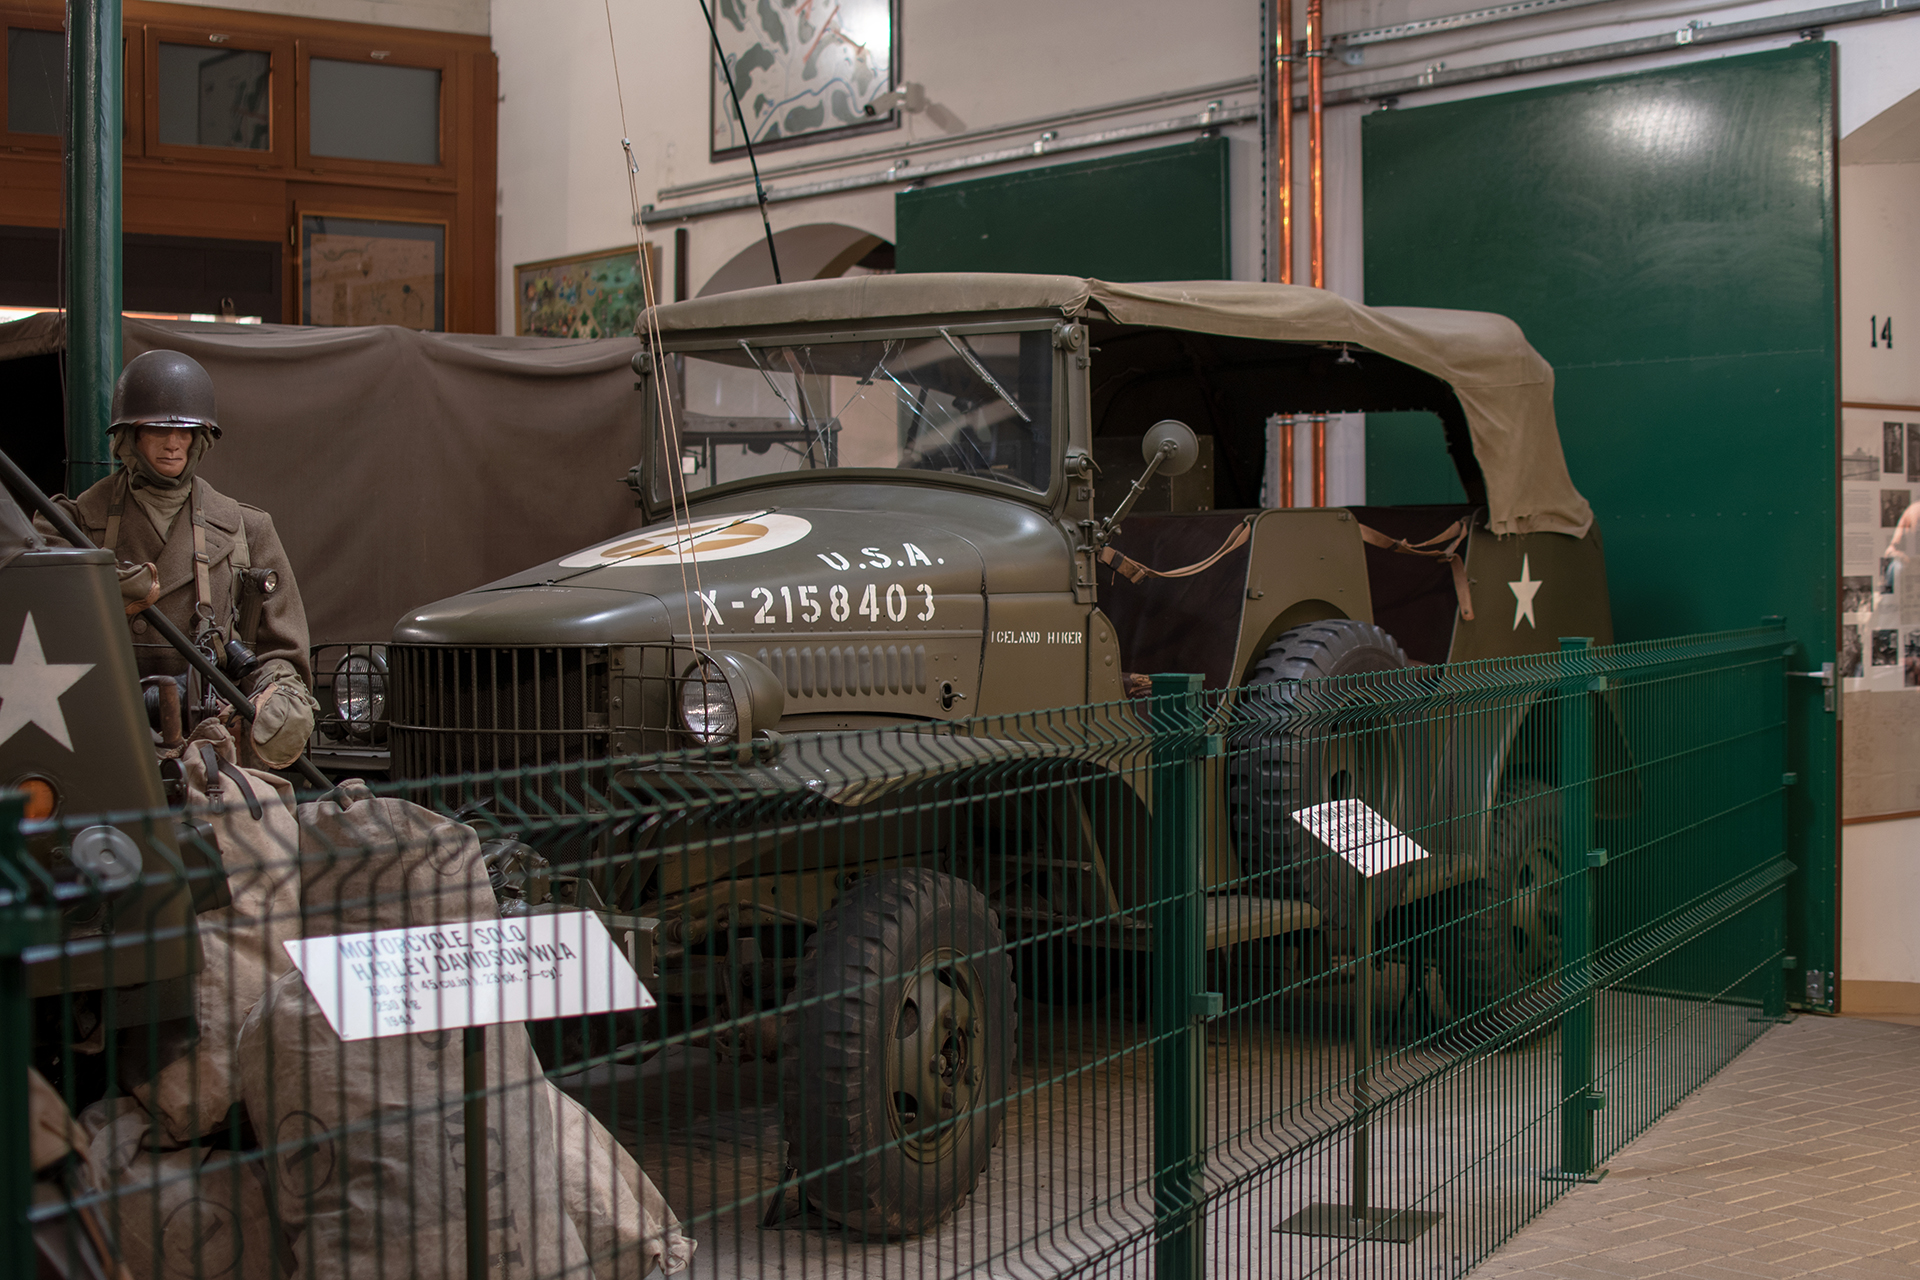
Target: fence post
(1773, 987)
(475, 1141)
(21, 925)
(1578, 1101)
(1178, 965)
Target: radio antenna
(746, 136)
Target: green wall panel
(1667, 241)
(1147, 215)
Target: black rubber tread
(1265, 782)
(833, 1098)
(1478, 959)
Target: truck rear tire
(1278, 763)
(899, 1056)
(1510, 941)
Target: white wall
(469, 17)
(1880, 276)
(1879, 897)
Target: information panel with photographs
(1880, 608)
(1880, 549)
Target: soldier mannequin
(186, 549)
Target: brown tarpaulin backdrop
(401, 467)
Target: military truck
(913, 502)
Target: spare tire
(1294, 745)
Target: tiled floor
(1801, 1158)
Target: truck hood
(742, 576)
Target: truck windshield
(964, 404)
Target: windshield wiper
(800, 414)
(965, 352)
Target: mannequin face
(165, 448)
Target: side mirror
(1173, 444)
(1169, 448)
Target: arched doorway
(817, 251)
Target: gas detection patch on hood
(702, 541)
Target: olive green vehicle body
(138, 942)
(985, 600)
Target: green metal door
(1147, 215)
(1667, 241)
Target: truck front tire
(1291, 748)
(900, 1052)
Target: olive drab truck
(915, 501)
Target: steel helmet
(164, 388)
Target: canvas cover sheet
(404, 467)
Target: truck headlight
(725, 697)
(707, 706)
(360, 693)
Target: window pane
(36, 80)
(211, 97)
(368, 111)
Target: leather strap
(115, 505)
(1453, 535)
(1133, 571)
(202, 584)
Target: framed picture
(802, 77)
(589, 295)
(357, 270)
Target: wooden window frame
(397, 54)
(279, 51)
(133, 87)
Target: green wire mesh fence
(1346, 976)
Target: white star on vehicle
(1523, 594)
(30, 688)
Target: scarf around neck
(160, 497)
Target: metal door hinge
(1825, 675)
(1820, 987)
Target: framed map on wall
(589, 295)
(804, 70)
(372, 271)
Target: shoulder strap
(116, 503)
(202, 584)
(242, 553)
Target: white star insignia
(1523, 594)
(30, 688)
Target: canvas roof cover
(1504, 386)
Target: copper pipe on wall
(1286, 460)
(1316, 171)
(1319, 459)
(1283, 80)
(1283, 181)
(1317, 210)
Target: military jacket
(238, 537)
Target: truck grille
(455, 710)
